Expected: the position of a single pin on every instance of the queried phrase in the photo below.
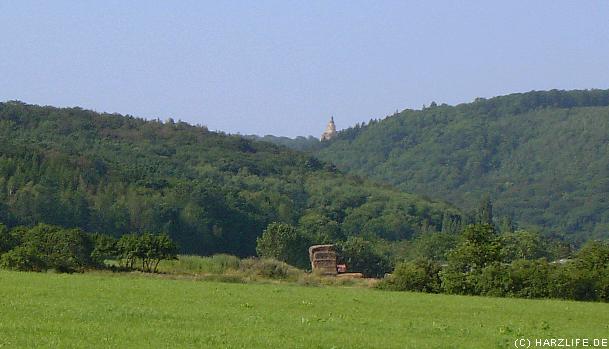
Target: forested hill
(211, 192)
(542, 156)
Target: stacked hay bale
(323, 259)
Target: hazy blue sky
(283, 67)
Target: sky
(284, 67)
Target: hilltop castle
(330, 131)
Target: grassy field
(131, 310)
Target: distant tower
(330, 131)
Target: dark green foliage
(7, 240)
(485, 211)
(529, 278)
(319, 229)
(298, 143)
(522, 278)
(157, 247)
(593, 256)
(147, 249)
(542, 156)
(284, 243)
(509, 265)
(46, 247)
(105, 247)
(361, 256)
(523, 245)
(127, 249)
(421, 275)
(479, 247)
(452, 224)
(434, 246)
(24, 258)
(212, 193)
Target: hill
(157, 312)
(211, 192)
(542, 156)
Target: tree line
(46, 247)
(375, 257)
(483, 263)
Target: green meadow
(136, 311)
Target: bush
(421, 275)
(361, 256)
(23, 258)
(147, 248)
(7, 240)
(49, 247)
(494, 280)
(479, 247)
(104, 248)
(283, 242)
(602, 286)
(529, 279)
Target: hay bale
(323, 259)
(350, 276)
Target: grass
(227, 268)
(196, 265)
(135, 311)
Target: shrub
(105, 247)
(147, 248)
(49, 247)
(602, 285)
(283, 242)
(479, 247)
(529, 279)
(494, 280)
(361, 256)
(421, 275)
(23, 258)
(7, 240)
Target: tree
(282, 242)
(451, 223)
(521, 245)
(593, 256)
(50, 247)
(318, 228)
(149, 249)
(485, 211)
(161, 248)
(478, 248)
(23, 258)
(128, 250)
(7, 240)
(434, 246)
(506, 224)
(421, 275)
(361, 256)
(105, 247)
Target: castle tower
(330, 131)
